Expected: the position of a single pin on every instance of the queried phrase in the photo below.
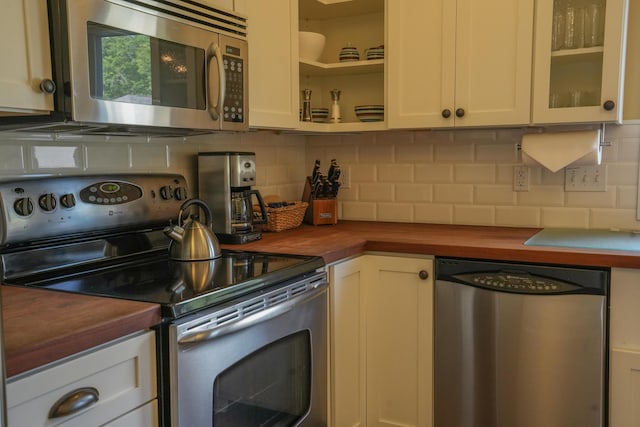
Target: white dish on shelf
(311, 45)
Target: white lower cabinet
(113, 385)
(624, 362)
(381, 343)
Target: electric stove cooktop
(181, 287)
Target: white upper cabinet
(356, 23)
(273, 64)
(26, 58)
(579, 70)
(459, 63)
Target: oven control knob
(47, 202)
(23, 206)
(68, 200)
(166, 192)
(180, 193)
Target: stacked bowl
(370, 113)
(375, 52)
(319, 115)
(349, 53)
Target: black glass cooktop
(182, 287)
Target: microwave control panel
(235, 70)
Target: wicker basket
(286, 217)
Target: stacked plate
(349, 53)
(319, 115)
(369, 113)
(375, 52)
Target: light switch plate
(585, 178)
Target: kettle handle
(203, 205)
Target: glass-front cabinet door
(579, 61)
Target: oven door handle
(264, 315)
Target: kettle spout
(174, 232)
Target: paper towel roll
(557, 150)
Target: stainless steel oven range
(243, 340)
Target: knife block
(320, 211)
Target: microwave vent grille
(194, 13)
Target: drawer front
(144, 416)
(123, 373)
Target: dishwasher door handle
(261, 316)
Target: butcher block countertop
(41, 326)
(348, 238)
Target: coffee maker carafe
(224, 181)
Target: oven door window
(138, 69)
(270, 387)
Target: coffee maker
(224, 182)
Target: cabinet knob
(609, 105)
(424, 274)
(460, 112)
(48, 86)
(446, 113)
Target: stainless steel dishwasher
(519, 345)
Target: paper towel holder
(602, 142)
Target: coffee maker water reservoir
(224, 182)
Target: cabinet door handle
(423, 274)
(446, 113)
(74, 401)
(48, 86)
(460, 112)
(609, 105)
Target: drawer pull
(74, 401)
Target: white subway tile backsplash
(400, 212)
(516, 216)
(434, 213)
(447, 177)
(12, 158)
(474, 173)
(395, 173)
(376, 153)
(497, 153)
(494, 195)
(420, 152)
(565, 217)
(112, 157)
(434, 173)
(149, 157)
(474, 214)
(359, 211)
(414, 193)
(623, 174)
(56, 157)
(627, 197)
(453, 152)
(376, 192)
(594, 199)
(623, 219)
(542, 195)
(453, 193)
(363, 173)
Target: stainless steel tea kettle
(193, 240)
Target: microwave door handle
(261, 316)
(215, 53)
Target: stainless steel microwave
(150, 63)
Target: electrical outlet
(585, 178)
(521, 178)
(345, 177)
